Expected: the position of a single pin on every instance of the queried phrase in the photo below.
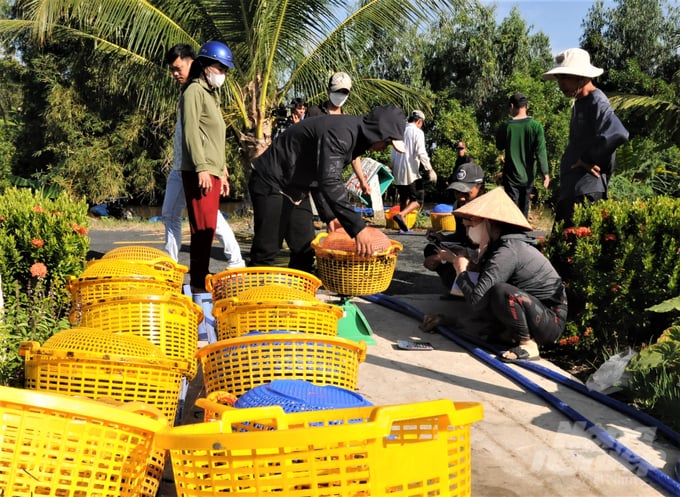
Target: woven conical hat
(495, 206)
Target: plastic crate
(162, 268)
(420, 449)
(234, 318)
(169, 321)
(346, 273)
(98, 364)
(299, 396)
(240, 364)
(59, 446)
(410, 219)
(443, 221)
(273, 292)
(232, 282)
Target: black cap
(519, 100)
(467, 176)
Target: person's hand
(295, 118)
(365, 189)
(546, 181)
(460, 263)
(432, 175)
(364, 243)
(593, 169)
(333, 225)
(224, 190)
(205, 181)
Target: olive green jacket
(204, 131)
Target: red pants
(202, 208)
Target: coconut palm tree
(281, 48)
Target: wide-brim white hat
(573, 62)
(495, 205)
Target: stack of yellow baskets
(134, 339)
(271, 325)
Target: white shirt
(405, 167)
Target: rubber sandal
(521, 354)
(430, 322)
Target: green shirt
(524, 143)
(204, 131)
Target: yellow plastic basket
(232, 282)
(137, 253)
(420, 449)
(97, 364)
(273, 292)
(59, 446)
(240, 364)
(443, 221)
(169, 321)
(234, 318)
(410, 220)
(346, 273)
(86, 291)
(163, 268)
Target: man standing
(595, 133)
(406, 169)
(179, 58)
(463, 156)
(523, 141)
(286, 173)
(339, 87)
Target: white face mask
(480, 234)
(215, 79)
(338, 98)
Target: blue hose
(611, 446)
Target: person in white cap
(339, 87)
(595, 133)
(517, 286)
(406, 169)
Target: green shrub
(619, 259)
(654, 383)
(42, 242)
(38, 230)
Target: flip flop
(521, 354)
(430, 322)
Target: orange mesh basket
(60, 446)
(240, 364)
(169, 321)
(443, 221)
(232, 282)
(97, 364)
(234, 318)
(347, 273)
(162, 268)
(86, 291)
(420, 449)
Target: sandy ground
(523, 446)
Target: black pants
(564, 211)
(276, 219)
(520, 195)
(525, 316)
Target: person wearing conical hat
(516, 285)
(595, 133)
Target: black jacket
(310, 157)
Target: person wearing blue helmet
(204, 172)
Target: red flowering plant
(617, 260)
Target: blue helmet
(217, 51)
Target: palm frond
(659, 113)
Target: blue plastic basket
(299, 396)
